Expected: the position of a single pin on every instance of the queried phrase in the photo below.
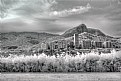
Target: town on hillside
(82, 44)
(80, 41)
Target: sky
(57, 16)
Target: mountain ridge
(33, 38)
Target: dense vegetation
(21, 39)
(92, 62)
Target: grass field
(60, 77)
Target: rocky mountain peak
(79, 29)
(82, 28)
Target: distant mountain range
(28, 39)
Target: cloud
(7, 6)
(75, 10)
(25, 7)
(20, 25)
(115, 14)
(56, 16)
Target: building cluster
(86, 43)
(79, 42)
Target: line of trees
(67, 63)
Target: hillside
(96, 32)
(23, 38)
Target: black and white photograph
(60, 40)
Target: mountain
(24, 39)
(80, 29)
(30, 39)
